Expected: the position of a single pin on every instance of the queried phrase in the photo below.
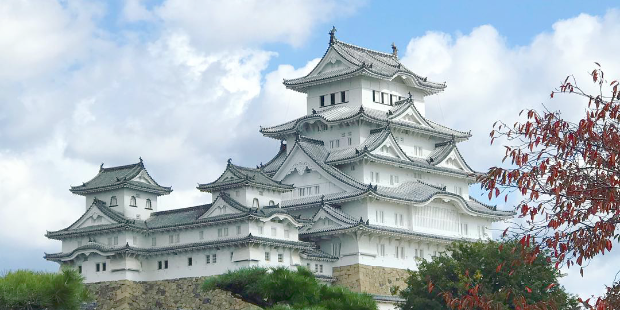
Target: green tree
(24, 289)
(282, 288)
(481, 267)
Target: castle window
(417, 151)
(267, 256)
(287, 233)
(316, 267)
(316, 189)
(384, 98)
(132, 201)
(103, 266)
(171, 239)
(280, 258)
(320, 268)
(237, 193)
(272, 203)
(238, 230)
(148, 204)
(322, 101)
(159, 265)
(332, 98)
(260, 230)
(308, 266)
(214, 258)
(273, 231)
(208, 259)
(113, 201)
(166, 264)
(231, 256)
(80, 269)
(375, 96)
(343, 96)
(336, 248)
(255, 203)
(379, 216)
(381, 249)
(189, 261)
(97, 267)
(349, 140)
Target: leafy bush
(495, 271)
(282, 289)
(24, 289)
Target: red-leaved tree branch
(566, 177)
(567, 174)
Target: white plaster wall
(146, 269)
(395, 87)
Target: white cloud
(37, 36)
(489, 80)
(135, 11)
(241, 23)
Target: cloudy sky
(186, 85)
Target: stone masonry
(175, 294)
(370, 279)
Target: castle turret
(127, 189)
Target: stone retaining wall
(370, 279)
(168, 294)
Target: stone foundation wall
(370, 279)
(168, 294)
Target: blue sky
(186, 85)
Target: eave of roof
(245, 177)
(364, 61)
(250, 239)
(119, 177)
(339, 113)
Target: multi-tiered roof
(363, 62)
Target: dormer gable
(389, 147)
(97, 214)
(328, 217)
(224, 205)
(409, 114)
(448, 156)
(332, 61)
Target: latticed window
(148, 204)
(132, 201)
(113, 201)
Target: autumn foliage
(566, 175)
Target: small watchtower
(129, 190)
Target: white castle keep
(360, 189)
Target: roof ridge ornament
(409, 93)
(332, 35)
(101, 167)
(229, 161)
(395, 51)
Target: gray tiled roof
(272, 166)
(364, 62)
(243, 176)
(250, 239)
(442, 150)
(317, 254)
(172, 219)
(119, 177)
(340, 113)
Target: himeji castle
(362, 187)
